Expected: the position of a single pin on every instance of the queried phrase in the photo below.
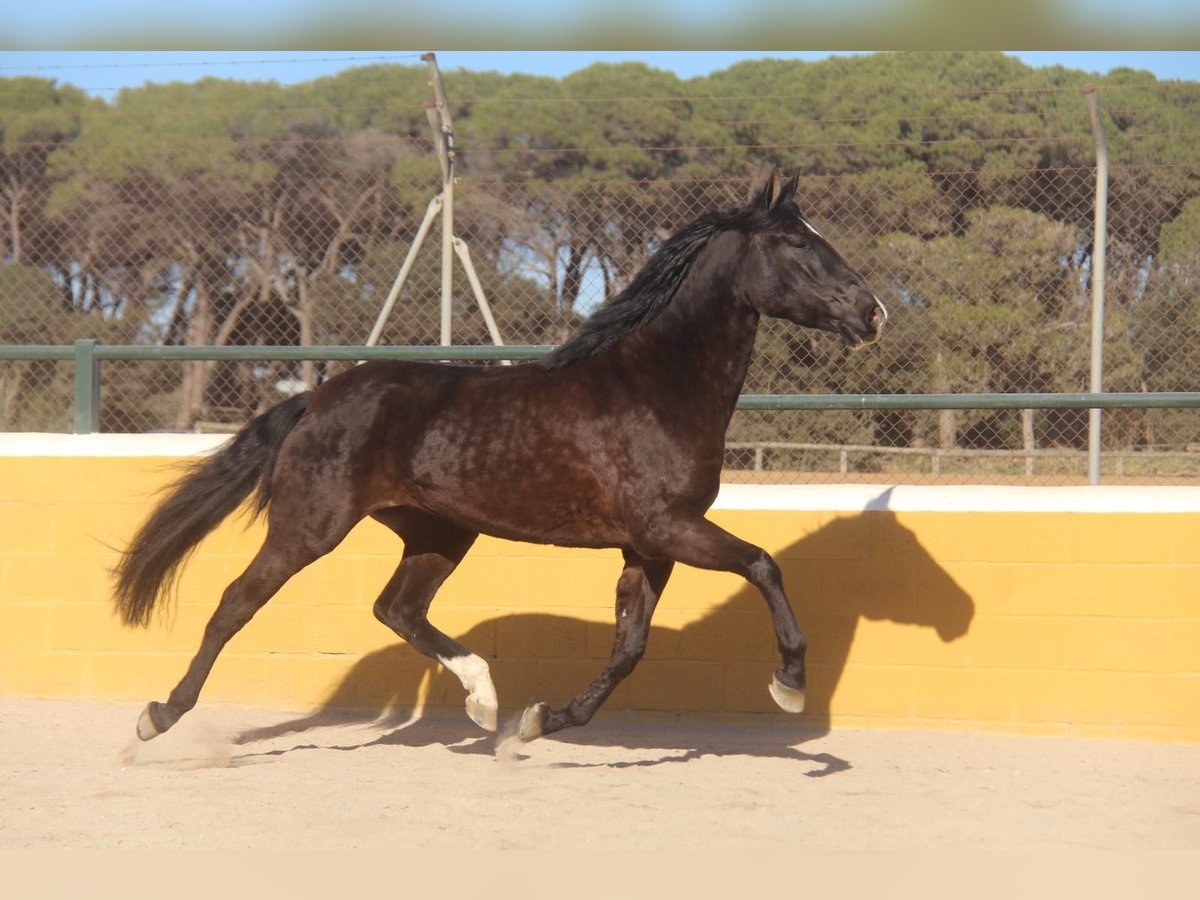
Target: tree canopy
(230, 212)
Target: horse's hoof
(147, 728)
(532, 723)
(483, 716)
(789, 699)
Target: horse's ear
(769, 195)
(788, 191)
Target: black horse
(614, 440)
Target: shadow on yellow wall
(863, 566)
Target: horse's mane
(652, 288)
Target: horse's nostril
(877, 318)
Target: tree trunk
(303, 313)
(11, 391)
(14, 225)
(195, 372)
(572, 278)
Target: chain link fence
(212, 216)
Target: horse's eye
(799, 241)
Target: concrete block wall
(1058, 611)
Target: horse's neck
(702, 343)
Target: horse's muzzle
(869, 331)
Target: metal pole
(464, 256)
(447, 258)
(446, 158)
(435, 206)
(87, 387)
(1100, 241)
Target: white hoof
(530, 728)
(788, 698)
(486, 717)
(146, 728)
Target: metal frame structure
(438, 113)
(1099, 243)
(88, 355)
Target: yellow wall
(1084, 623)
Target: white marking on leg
(476, 678)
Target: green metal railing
(1115, 400)
(89, 354)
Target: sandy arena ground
(239, 778)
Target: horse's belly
(568, 529)
(527, 514)
(573, 531)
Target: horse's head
(795, 274)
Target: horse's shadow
(863, 566)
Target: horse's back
(521, 452)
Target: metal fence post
(1100, 240)
(439, 117)
(87, 387)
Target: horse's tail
(207, 492)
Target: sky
(103, 73)
(696, 24)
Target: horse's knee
(764, 571)
(631, 584)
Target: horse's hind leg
(285, 552)
(433, 548)
(638, 590)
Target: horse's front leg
(638, 590)
(695, 541)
